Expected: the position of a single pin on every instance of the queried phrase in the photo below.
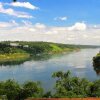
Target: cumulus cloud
(12, 12)
(40, 26)
(26, 31)
(61, 18)
(24, 5)
(78, 26)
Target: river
(79, 63)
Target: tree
(68, 86)
(48, 94)
(11, 89)
(62, 83)
(95, 89)
(31, 89)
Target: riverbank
(96, 60)
(18, 50)
(96, 63)
(13, 57)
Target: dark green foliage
(7, 49)
(96, 63)
(67, 86)
(35, 47)
(95, 89)
(31, 89)
(9, 88)
(14, 91)
(48, 94)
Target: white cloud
(4, 25)
(78, 26)
(40, 26)
(12, 12)
(10, 24)
(14, 22)
(24, 5)
(61, 18)
(27, 31)
(26, 23)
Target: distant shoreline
(16, 51)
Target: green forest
(66, 86)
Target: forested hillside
(12, 51)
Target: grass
(57, 49)
(98, 55)
(13, 57)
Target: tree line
(66, 86)
(37, 47)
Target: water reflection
(97, 70)
(41, 57)
(40, 68)
(12, 63)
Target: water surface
(80, 64)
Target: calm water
(80, 64)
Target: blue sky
(75, 10)
(48, 16)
